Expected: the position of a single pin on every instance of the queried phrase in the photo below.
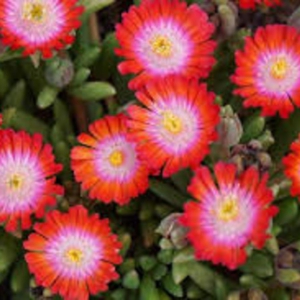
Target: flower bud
(59, 72)
(230, 128)
(228, 19)
(172, 230)
(168, 224)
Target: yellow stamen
(116, 158)
(171, 122)
(74, 256)
(279, 68)
(161, 45)
(15, 182)
(35, 11)
(228, 209)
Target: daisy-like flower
(251, 4)
(73, 254)
(159, 37)
(230, 215)
(268, 70)
(38, 25)
(292, 167)
(108, 164)
(177, 124)
(27, 182)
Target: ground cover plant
(149, 149)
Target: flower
(177, 124)
(250, 4)
(108, 164)
(268, 70)
(291, 164)
(159, 37)
(73, 254)
(230, 215)
(38, 25)
(27, 182)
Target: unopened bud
(59, 71)
(230, 128)
(178, 237)
(168, 224)
(228, 19)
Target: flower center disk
(228, 209)
(15, 182)
(161, 45)
(74, 256)
(35, 12)
(279, 68)
(172, 122)
(116, 158)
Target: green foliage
(60, 97)
(93, 91)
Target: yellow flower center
(35, 11)
(279, 68)
(116, 158)
(74, 256)
(228, 209)
(15, 182)
(161, 45)
(171, 122)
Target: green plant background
(61, 96)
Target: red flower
(268, 70)
(250, 4)
(38, 25)
(73, 254)
(292, 167)
(27, 182)
(162, 37)
(108, 164)
(177, 124)
(230, 215)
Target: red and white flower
(73, 254)
(159, 38)
(229, 216)
(108, 163)
(268, 70)
(38, 25)
(176, 125)
(27, 182)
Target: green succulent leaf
(93, 91)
